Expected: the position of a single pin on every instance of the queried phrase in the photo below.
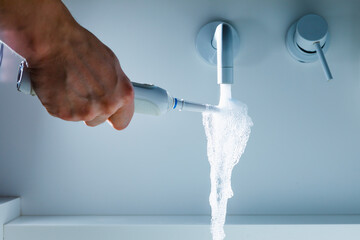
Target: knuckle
(85, 112)
(110, 103)
(108, 106)
(128, 97)
(65, 114)
(128, 89)
(57, 110)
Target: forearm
(27, 26)
(75, 76)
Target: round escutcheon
(204, 42)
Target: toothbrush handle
(149, 99)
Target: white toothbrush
(149, 99)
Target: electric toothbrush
(149, 99)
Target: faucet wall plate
(293, 39)
(205, 46)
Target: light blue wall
(303, 155)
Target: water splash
(227, 134)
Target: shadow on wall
(255, 53)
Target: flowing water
(227, 134)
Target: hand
(75, 76)
(81, 80)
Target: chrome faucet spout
(223, 43)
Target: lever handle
(323, 61)
(308, 39)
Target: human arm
(75, 76)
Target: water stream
(227, 134)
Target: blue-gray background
(303, 155)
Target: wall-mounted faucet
(223, 43)
(308, 39)
(218, 43)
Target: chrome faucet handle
(308, 39)
(323, 61)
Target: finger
(122, 117)
(97, 121)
